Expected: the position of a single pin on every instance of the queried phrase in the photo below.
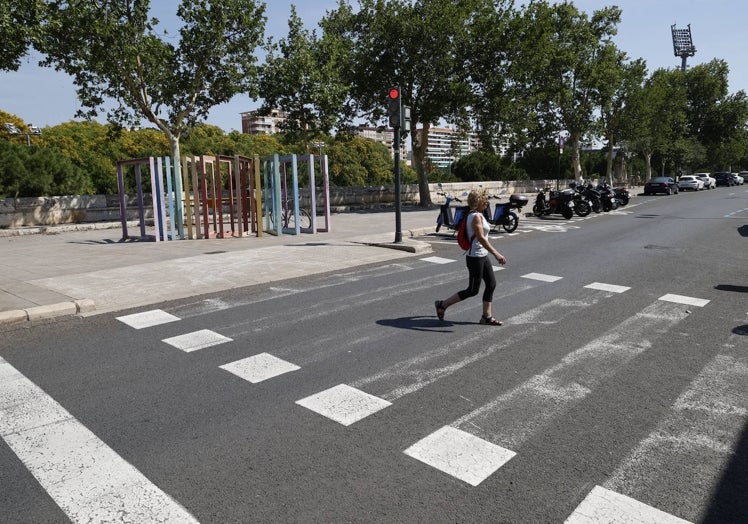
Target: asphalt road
(615, 391)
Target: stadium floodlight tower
(682, 44)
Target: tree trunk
(575, 157)
(419, 145)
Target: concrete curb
(59, 309)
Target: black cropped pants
(479, 268)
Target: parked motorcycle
(557, 202)
(622, 195)
(582, 204)
(607, 197)
(593, 195)
(447, 217)
(505, 215)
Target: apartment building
(254, 124)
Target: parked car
(743, 174)
(661, 184)
(709, 182)
(724, 178)
(690, 182)
(738, 179)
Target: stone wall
(47, 211)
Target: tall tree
(302, 76)
(660, 109)
(624, 83)
(566, 68)
(116, 52)
(413, 46)
(19, 23)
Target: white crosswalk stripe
(85, 477)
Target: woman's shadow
(421, 323)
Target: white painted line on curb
(460, 454)
(344, 404)
(607, 287)
(680, 299)
(259, 367)
(197, 340)
(603, 505)
(541, 277)
(85, 477)
(148, 319)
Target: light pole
(13, 130)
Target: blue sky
(44, 97)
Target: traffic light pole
(398, 221)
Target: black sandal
(490, 321)
(439, 309)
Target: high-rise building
(447, 145)
(254, 124)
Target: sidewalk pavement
(86, 270)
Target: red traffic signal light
(393, 107)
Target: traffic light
(406, 118)
(393, 107)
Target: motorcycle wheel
(614, 205)
(537, 211)
(596, 206)
(582, 208)
(624, 201)
(510, 223)
(567, 212)
(606, 206)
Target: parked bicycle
(288, 216)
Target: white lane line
(695, 441)
(541, 277)
(259, 367)
(418, 372)
(603, 505)
(147, 319)
(437, 260)
(344, 404)
(514, 416)
(86, 478)
(196, 340)
(460, 454)
(680, 299)
(607, 287)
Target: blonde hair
(475, 196)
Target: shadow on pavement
(730, 287)
(729, 502)
(420, 323)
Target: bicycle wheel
(305, 220)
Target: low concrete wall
(47, 211)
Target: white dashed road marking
(86, 478)
(603, 505)
(542, 277)
(259, 367)
(460, 454)
(197, 340)
(607, 287)
(344, 404)
(148, 319)
(680, 299)
(438, 260)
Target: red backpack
(463, 239)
